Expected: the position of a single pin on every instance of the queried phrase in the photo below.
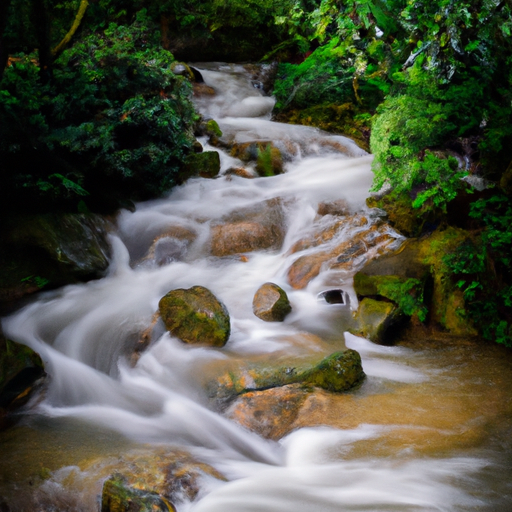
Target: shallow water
(430, 428)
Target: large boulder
(195, 316)
(21, 372)
(249, 229)
(50, 250)
(271, 303)
(413, 282)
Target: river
(430, 429)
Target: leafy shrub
(113, 120)
(481, 269)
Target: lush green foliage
(113, 120)
(482, 269)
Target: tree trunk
(76, 23)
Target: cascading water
(427, 430)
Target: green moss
(448, 305)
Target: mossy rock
(374, 318)
(271, 303)
(50, 250)
(205, 164)
(401, 215)
(406, 293)
(336, 373)
(195, 316)
(118, 496)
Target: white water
(85, 334)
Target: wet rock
(205, 164)
(21, 374)
(51, 250)
(415, 278)
(375, 318)
(270, 412)
(271, 303)
(363, 244)
(182, 69)
(240, 171)
(336, 373)
(337, 208)
(195, 316)
(250, 229)
(118, 496)
(171, 245)
(201, 89)
(268, 158)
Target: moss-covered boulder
(336, 373)
(205, 164)
(195, 316)
(417, 281)
(271, 303)
(118, 496)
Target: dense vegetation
(92, 116)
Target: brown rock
(271, 412)
(338, 208)
(368, 244)
(251, 229)
(271, 303)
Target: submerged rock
(195, 316)
(249, 229)
(271, 303)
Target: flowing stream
(429, 429)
